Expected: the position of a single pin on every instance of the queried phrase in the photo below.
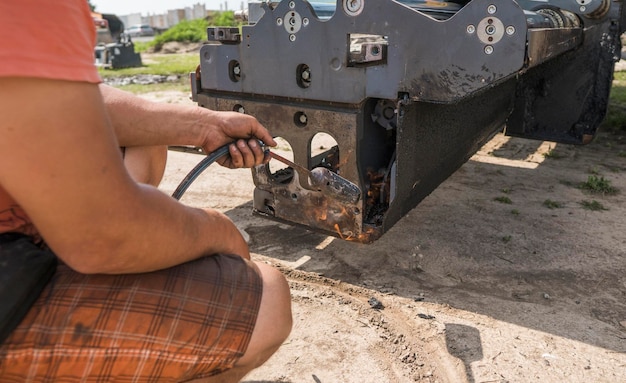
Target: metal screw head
(471, 29)
(241, 109)
(237, 69)
(488, 49)
(583, 8)
(491, 9)
(305, 21)
(279, 21)
(306, 75)
(353, 7)
(510, 30)
(292, 4)
(292, 37)
(303, 118)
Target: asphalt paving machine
(408, 91)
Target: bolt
(279, 21)
(491, 9)
(471, 29)
(305, 21)
(237, 70)
(306, 75)
(583, 8)
(488, 49)
(490, 29)
(292, 4)
(353, 6)
(510, 30)
(241, 110)
(302, 118)
(292, 38)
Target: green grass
(187, 31)
(551, 153)
(503, 199)
(615, 120)
(592, 205)
(552, 204)
(176, 64)
(598, 185)
(191, 31)
(141, 46)
(515, 212)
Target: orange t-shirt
(48, 39)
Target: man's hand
(243, 131)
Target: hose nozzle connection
(327, 182)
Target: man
(146, 289)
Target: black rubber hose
(198, 169)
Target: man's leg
(272, 327)
(146, 164)
(152, 326)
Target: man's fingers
(257, 151)
(267, 139)
(246, 153)
(236, 159)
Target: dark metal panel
(434, 140)
(427, 58)
(565, 99)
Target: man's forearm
(164, 234)
(140, 122)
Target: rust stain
(339, 231)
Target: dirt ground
(473, 289)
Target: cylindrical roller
(335, 186)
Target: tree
(224, 19)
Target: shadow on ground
(521, 263)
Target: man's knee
(146, 164)
(275, 284)
(274, 320)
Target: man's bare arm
(61, 163)
(139, 122)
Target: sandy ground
(472, 289)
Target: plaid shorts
(187, 322)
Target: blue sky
(124, 7)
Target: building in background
(172, 17)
